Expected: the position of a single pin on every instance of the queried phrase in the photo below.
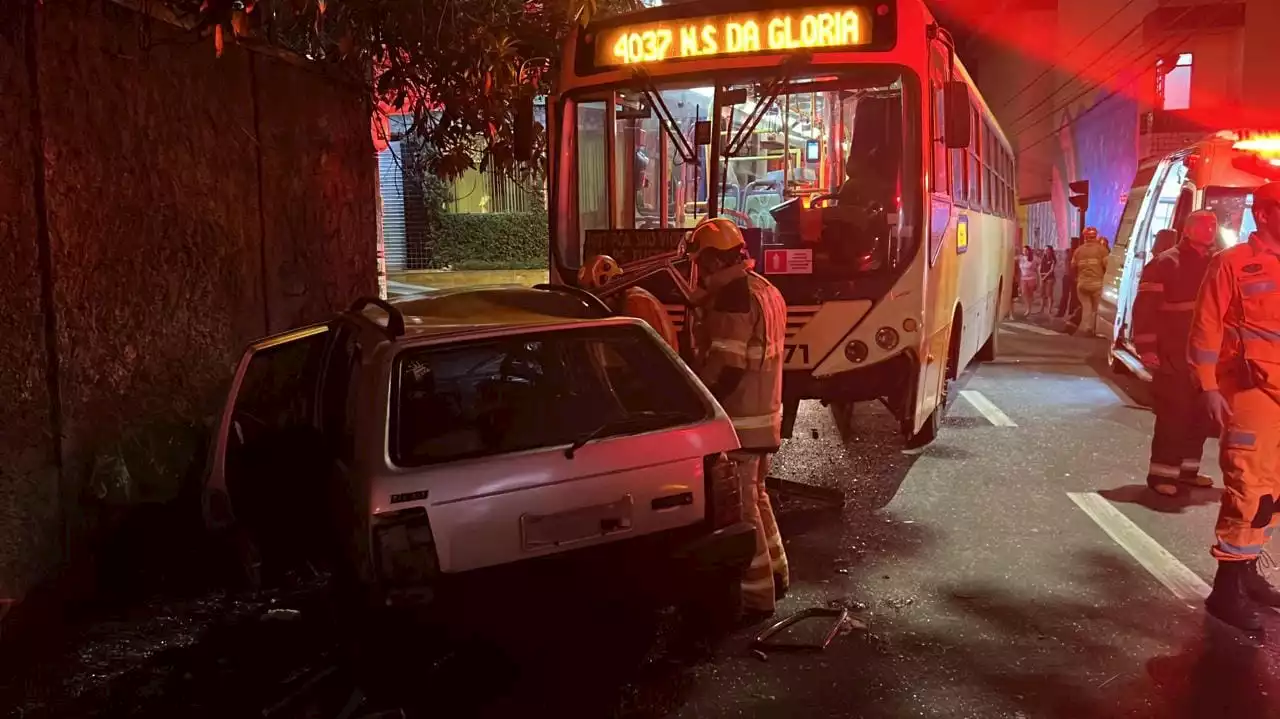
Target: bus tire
(987, 352)
(927, 433)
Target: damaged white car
(413, 446)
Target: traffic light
(1080, 194)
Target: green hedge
(489, 241)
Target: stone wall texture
(193, 204)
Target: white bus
(1218, 173)
(873, 185)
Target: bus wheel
(927, 433)
(987, 352)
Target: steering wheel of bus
(813, 203)
(742, 219)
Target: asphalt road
(1015, 568)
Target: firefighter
(1090, 263)
(634, 301)
(1234, 353)
(741, 323)
(1161, 324)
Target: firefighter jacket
(1235, 333)
(1166, 300)
(742, 324)
(1090, 263)
(642, 304)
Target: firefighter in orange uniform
(1090, 264)
(635, 302)
(1234, 352)
(741, 325)
(1161, 324)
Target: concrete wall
(193, 203)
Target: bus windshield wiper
(619, 423)
(683, 147)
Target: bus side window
(940, 181)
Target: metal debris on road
(763, 640)
(282, 614)
(833, 498)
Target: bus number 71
(791, 353)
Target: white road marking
(1033, 328)
(1173, 574)
(987, 408)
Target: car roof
(468, 310)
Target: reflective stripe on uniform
(1248, 551)
(1191, 465)
(1178, 306)
(733, 347)
(1199, 356)
(1253, 333)
(760, 421)
(1151, 287)
(1249, 289)
(1156, 469)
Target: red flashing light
(1267, 145)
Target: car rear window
(527, 391)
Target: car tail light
(724, 497)
(405, 550)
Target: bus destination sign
(733, 34)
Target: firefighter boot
(1229, 601)
(1259, 589)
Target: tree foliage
(458, 66)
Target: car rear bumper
(658, 565)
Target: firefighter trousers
(1089, 296)
(1249, 448)
(767, 575)
(1182, 427)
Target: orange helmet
(715, 233)
(597, 271)
(1090, 233)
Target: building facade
(1087, 88)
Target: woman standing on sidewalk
(1048, 268)
(1028, 278)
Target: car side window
(278, 389)
(338, 392)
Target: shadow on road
(1142, 495)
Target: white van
(1218, 173)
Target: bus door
(940, 276)
(1165, 197)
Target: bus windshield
(783, 143)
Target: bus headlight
(887, 338)
(855, 352)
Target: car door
(270, 416)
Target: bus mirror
(522, 133)
(959, 129)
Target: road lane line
(1173, 574)
(987, 408)
(1033, 328)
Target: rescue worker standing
(741, 324)
(1234, 352)
(1090, 263)
(1161, 325)
(636, 302)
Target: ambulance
(1218, 173)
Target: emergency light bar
(1258, 153)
